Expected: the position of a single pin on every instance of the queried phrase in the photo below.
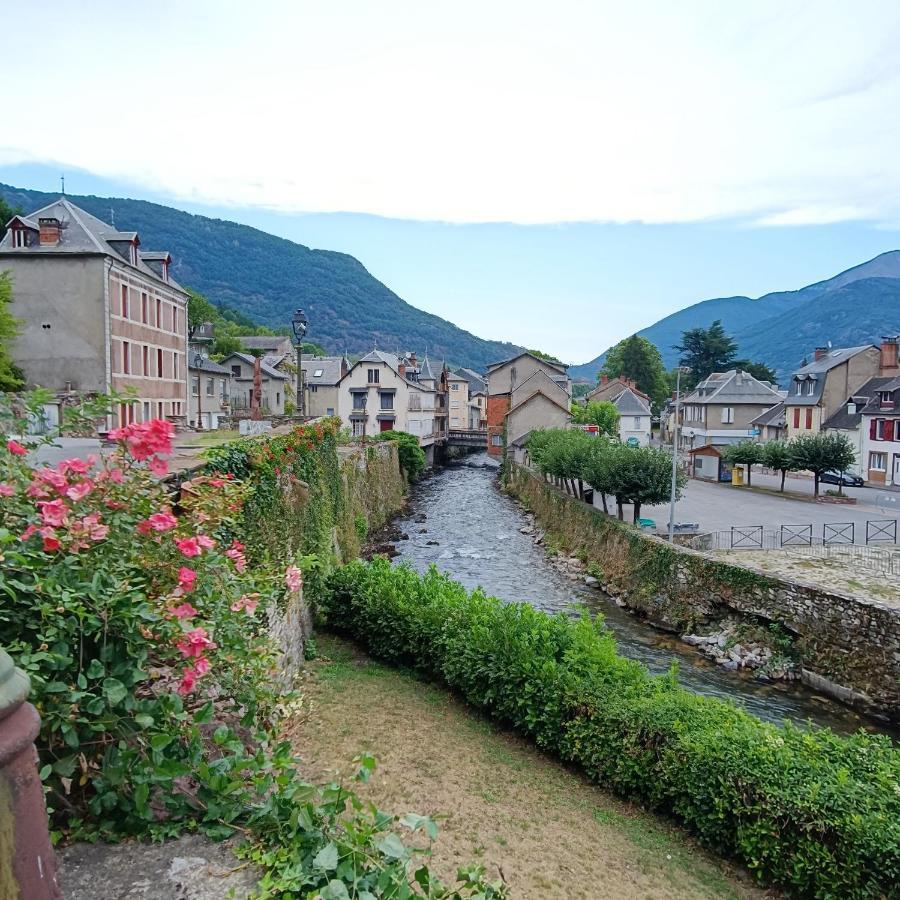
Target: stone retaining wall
(847, 646)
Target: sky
(558, 175)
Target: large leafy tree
(11, 378)
(777, 455)
(817, 453)
(638, 359)
(758, 370)
(706, 350)
(745, 453)
(601, 413)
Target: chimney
(604, 379)
(412, 360)
(49, 232)
(401, 369)
(820, 353)
(890, 347)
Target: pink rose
(158, 466)
(207, 543)
(185, 611)
(79, 491)
(188, 546)
(53, 512)
(188, 681)
(51, 542)
(186, 578)
(6, 490)
(201, 666)
(16, 448)
(162, 521)
(293, 578)
(194, 643)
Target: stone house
(98, 313)
(817, 390)
(502, 380)
(721, 409)
(210, 392)
(273, 382)
(539, 401)
(321, 379)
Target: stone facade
(846, 645)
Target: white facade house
(634, 418)
(880, 434)
(382, 392)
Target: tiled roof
(206, 365)
(773, 416)
(891, 385)
(81, 233)
(848, 421)
(562, 367)
(628, 403)
(732, 387)
(328, 366)
(264, 367)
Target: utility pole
(678, 371)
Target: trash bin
(737, 475)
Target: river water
(471, 532)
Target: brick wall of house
(497, 408)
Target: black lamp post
(198, 365)
(299, 325)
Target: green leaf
(335, 890)
(45, 772)
(114, 691)
(327, 858)
(145, 720)
(161, 741)
(95, 669)
(204, 714)
(391, 846)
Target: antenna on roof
(62, 184)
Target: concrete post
(27, 861)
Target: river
(471, 532)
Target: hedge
(809, 810)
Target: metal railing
(756, 537)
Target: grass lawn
(205, 439)
(499, 801)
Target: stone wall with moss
(848, 645)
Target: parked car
(846, 479)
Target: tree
(580, 390)
(546, 356)
(601, 413)
(817, 453)
(11, 377)
(200, 310)
(746, 453)
(411, 455)
(777, 455)
(643, 475)
(638, 359)
(706, 350)
(758, 370)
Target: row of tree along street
(816, 453)
(635, 475)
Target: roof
(476, 381)
(849, 421)
(733, 387)
(891, 385)
(831, 359)
(329, 366)
(81, 233)
(251, 360)
(816, 372)
(772, 416)
(531, 396)
(426, 372)
(714, 447)
(206, 365)
(628, 403)
(393, 362)
(263, 341)
(562, 367)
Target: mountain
(267, 278)
(780, 329)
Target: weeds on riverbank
(814, 812)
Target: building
(277, 345)
(880, 430)
(819, 389)
(770, 425)
(635, 421)
(609, 388)
(477, 416)
(210, 394)
(707, 464)
(504, 378)
(721, 409)
(458, 392)
(321, 379)
(273, 382)
(848, 420)
(540, 401)
(386, 392)
(98, 313)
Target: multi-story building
(272, 382)
(458, 392)
(722, 408)
(98, 314)
(819, 389)
(210, 394)
(505, 377)
(477, 417)
(632, 404)
(277, 345)
(880, 430)
(321, 379)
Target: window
(175, 365)
(145, 312)
(496, 440)
(637, 423)
(359, 401)
(374, 376)
(387, 400)
(454, 387)
(145, 362)
(158, 320)
(277, 398)
(878, 461)
(313, 388)
(329, 411)
(359, 428)
(124, 301)
(810, 387)
(210, 387)
(159, 367)
(19, 237)
(236, 371)
(808, 418)
(727, 415)
(879, 430)
(798, 388)
(147, 414)
(195, 385)
(126, 357)
(796, 417)
(318, 373)
(176, 321)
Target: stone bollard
(27, 861)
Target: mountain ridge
(745, 317)
(266, 277)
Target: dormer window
(133, 253)
(810, 387)
(851, 408)
(887, 399)
(19, 237)
(165, 271)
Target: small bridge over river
(475, 439)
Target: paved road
(717, 507)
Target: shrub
(412, 457)
(817, 813)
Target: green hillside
(267, 277)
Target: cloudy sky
(606, 161)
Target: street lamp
(198, 365)
(300, 324)
(679, 370)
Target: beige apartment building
(98, 313)
(321, 379)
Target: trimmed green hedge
(809, 810)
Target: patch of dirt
(497, 800)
